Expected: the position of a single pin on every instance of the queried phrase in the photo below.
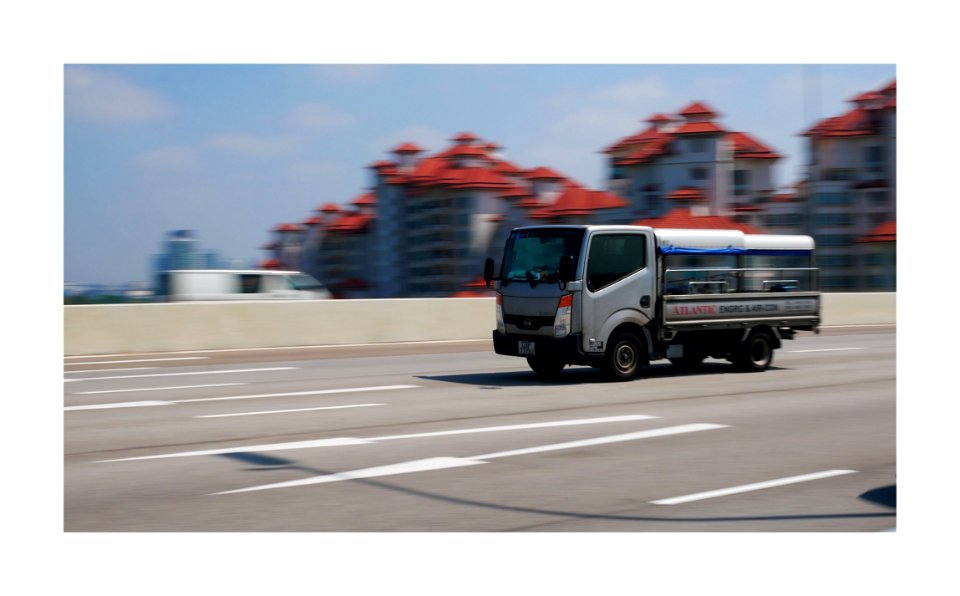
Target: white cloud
(249, 144)
(172, 157)
(95, 96)
(318, 115)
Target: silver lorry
(618, 297)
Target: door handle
(645, 302)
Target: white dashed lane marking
(751, 487)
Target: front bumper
(566, 348)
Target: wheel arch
(773, 332)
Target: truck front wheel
(755, 354)
(625, 357)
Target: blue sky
(232, 150)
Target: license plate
(526, 348)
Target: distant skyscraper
(181, 250)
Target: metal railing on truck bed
(700, 281)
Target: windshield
(304, 282)
(534, 255)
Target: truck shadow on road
(578, 375)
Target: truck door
(620, 278)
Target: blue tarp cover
(679, 250)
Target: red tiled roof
(464, 150)
(885, 232)
(684, 220)
(476, 178)
(350, 222)
(407, 148)
(270, 264)
(544, 173)
(857, 121)
(691, 128)
(366, 199)
(465, 137)
(655, 148)
(867, 96)
(576, 200)
(698, 109)
(288, 227)
(747, 147)
(641, 138)
(688, 193)
(313, 221)
(382, 164)
(328, 208)
(507, 168)
(515, 192)
(659, 118)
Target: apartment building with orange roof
(851, 189)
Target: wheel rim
(760, 351)
(625, 357)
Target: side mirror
(567, 270)
(488, 271)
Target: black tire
(625, 357)
(546, 368)
(755, 354)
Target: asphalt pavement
(450, 437)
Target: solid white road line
(823, 350)
(295, 393)
(181, 374)
(440, 463)
(265, 349)
(160, 388)
(188, 401)
(752, 487)
(129, 404)
(74, 372)
(350, 441)
(139, 360)
(288, 411)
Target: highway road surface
(450, 437)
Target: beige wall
(218, 325)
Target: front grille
(527, 323)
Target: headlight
(561, 322)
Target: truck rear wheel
(755, 354)
(625, 356)
(546, 368)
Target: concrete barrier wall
(112, 329)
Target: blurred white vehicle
(226, 284)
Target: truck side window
(613, 257)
